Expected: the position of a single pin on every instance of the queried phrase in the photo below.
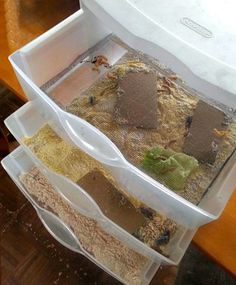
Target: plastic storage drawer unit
(83, 34)
(106, 45)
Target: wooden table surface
(20, 22)
(218, 239)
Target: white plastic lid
(195, 38)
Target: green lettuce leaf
(169, 167)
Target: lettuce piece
(170, 167)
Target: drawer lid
(195, 38)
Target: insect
(94, 60)
(226, 121)
(92, 100)
(146, 212)
(219, 134)
(136, 235)
(98, 61)
(167, 81)
(163, 238)
(214, 146)
(188, 122)
(160, 157)
(165, 85)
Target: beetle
(92, 100)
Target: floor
(30, 256)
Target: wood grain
(21, 22)
(218, 239)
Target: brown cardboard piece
(201, 141)
(112, 203)
(137, 100)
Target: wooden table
(20, 22)
(218, 239)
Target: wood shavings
(109, 251)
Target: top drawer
(60, 64)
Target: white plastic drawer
(45, 57)
(19, 162)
